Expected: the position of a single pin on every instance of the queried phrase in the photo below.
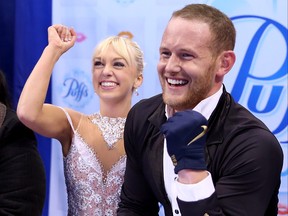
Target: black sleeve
(136, 196)
(22, 175)
(250, 174)
(249, 177)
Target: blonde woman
(92, 145)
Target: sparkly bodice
(90, 192)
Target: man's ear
(227, 60)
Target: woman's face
(114, 78)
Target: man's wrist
(197, 191)
(187, 176)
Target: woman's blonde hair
(125, 47)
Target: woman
(92, 145)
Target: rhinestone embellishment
(112, 128)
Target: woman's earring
(136, 92)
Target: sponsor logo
(199, 135)
(77, 90)
(282, 209)
(80, 37)
(269, 86)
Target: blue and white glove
(185, 134)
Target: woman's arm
(45, 119)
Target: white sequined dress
(89, 194)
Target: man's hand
(185, 134)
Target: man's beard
(199, 91)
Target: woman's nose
(107, 70)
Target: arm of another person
(136, 195)
(45, 119)
(22, 175)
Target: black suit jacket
(22, 175)
(243, 156)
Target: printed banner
(258, 80)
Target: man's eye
(165, 54)
(185, 55)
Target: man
(231, 168)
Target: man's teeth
(176, 82)
(108, 84)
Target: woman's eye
(98, 64)
(119, 64)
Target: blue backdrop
(23, 27)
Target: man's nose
(173, 64)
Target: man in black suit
(212, 156)
(22, 175)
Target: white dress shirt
(189, 192)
